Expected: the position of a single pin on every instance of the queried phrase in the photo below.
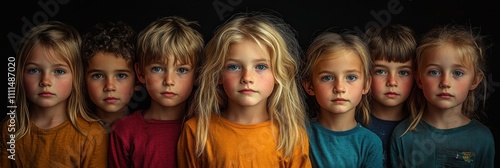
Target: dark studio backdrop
(308, 17)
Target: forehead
(247, 50)
(339, 61)
(45, 54)
(444, 55)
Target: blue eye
(157, 69)
(33, 70)
(233, 67)
(434, 72)
(121, 76)
(326, 78)
(351, 77)
(261, 67)
(404, 73)
(60, 71)
(458, 73)
(380, 72)
(97, 76)
(183, 70)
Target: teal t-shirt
(471, 145)
(358, 147)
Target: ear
(477, 80)
(308, 87)
(368, 85)
(418, 81)
(140, 73)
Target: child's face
(168, 83)
(110, 82)
(247, 77)
(444, 79)
(338, 82)
(48, 82)
(392, 82)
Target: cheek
(407, 84)
(322, 91)
(378, 85)
(94, 89)
(30, 85)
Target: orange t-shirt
(234, 145)
(61, 146)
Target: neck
(46, 118)
(110, 117)
(159, 112)
(445, 118)
(337, 121)
(388, 113)
(246, 115)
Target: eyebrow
(54, 65)
(405, 66)
(256, 60)
(118, 70)
(346, 71)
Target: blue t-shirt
(383, 128)
(358, 147)
(471, 145)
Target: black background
(308, 17)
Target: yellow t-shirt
(234, 145)
(61, 146)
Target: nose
(109, 86)
(445, 81)
(338, 87)
(391, 80)
(247, 77)
(45, 81)
(169, 79)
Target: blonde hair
(329, 42)
(64, 41)
(171, 36)
(285, 103)
(469, 47)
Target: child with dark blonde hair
(52, 125)
(337, 77)
(442, 130)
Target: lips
(110, 99)
(168, 94)
(391, 94)
(45, 94)
(339, 100)
(247, 91)
(445, 95)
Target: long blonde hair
(65, 41)
(469, 47)
(285, 104)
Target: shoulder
(402, 126)
(191, 122)
(366, 133)
(91, 128)
(480, 129)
